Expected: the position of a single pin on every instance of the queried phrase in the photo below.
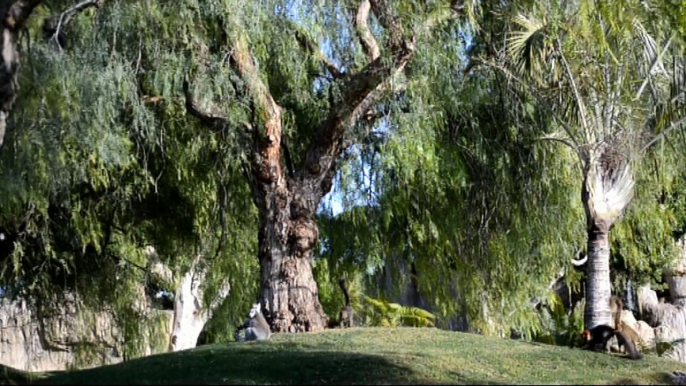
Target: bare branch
(257, 88)
(54, 24)
(267, 161)
(369, 44)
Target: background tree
(94, 171)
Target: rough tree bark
(607, 190)
(287, 200)
(14, 15)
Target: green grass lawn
(370, 356)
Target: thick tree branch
(369, 44)
(267, 161)
(360, 92)
(307, 44)
(54, 24)
(14, 15)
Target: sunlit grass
(374, 356)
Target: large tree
(289, 182)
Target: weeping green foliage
(331, 296)
(103, 160)
(643, 243)
(464, 188)
(379, 312)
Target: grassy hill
(370, 356)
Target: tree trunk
(598, 272)
(606, 191)
(189, 315)
(289, 294)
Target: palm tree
(610, 75)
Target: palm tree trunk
(606, 192)
(598, 271)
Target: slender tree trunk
(606, 191)
(598, 273)
(190, 316)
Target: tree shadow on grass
(252, 363)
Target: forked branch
(360, 92)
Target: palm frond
(529, 47)
(652, 57)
